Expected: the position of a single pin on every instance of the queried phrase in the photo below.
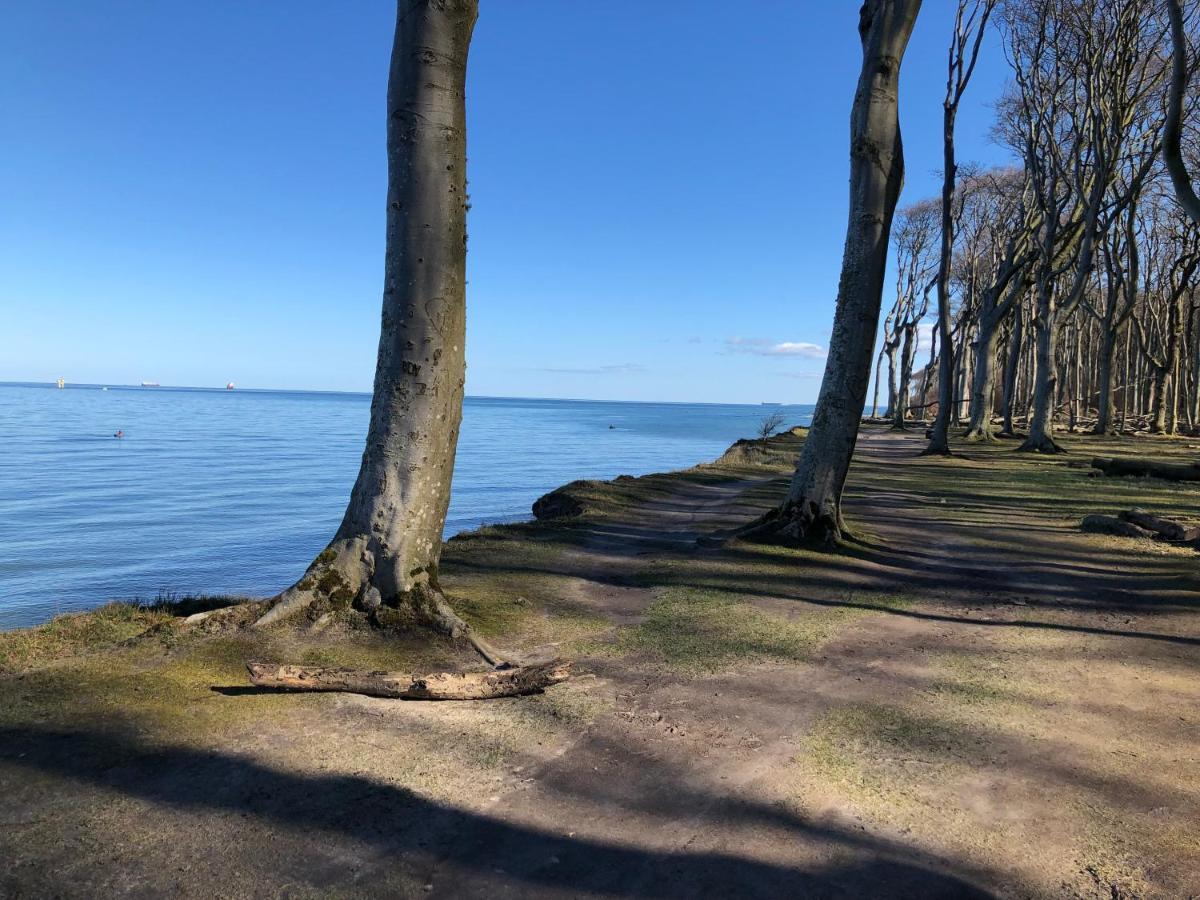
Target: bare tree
(769, 425)
(1086, 82)
(811, 513)
(385, 553)
(970, 24)
(916, 261)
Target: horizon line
(254, 390)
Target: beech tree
(1181, 66)
(970, 25)
(811, 512)
(916, 261)
(384, 556)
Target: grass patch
(75, 633)
(701, 631)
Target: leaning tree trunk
(384, 556)
(811, 512)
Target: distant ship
(150, 384)
(229, 387)
(62, 383)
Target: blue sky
(193, 193)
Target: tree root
(1045, 445)
(980, 435)
(796, 526)
(397, 685)
(325, 588)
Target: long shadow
(468, 854)
(966, 620)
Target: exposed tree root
(796, 525)
(341, 579)
(398, 685)
(980, 435)
(1045, 445)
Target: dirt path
(977, 701)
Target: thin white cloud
(764, 347)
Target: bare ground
(975, 700)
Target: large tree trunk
(1104, 363)
(811, 513)
(1045, 376)
(1041, 438)
(1158, 400)
(983, 384)
(1012, 367)
(904, 384)
(1173, 130)
(385, 553)
(893, 391)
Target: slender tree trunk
(811, 513)
(1012, 367)
(385, 554)
(878, 374)
(892, 389)
(908, 353)
(1195, 345)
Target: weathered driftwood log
(399, 685)
(1117, 466)
(1168, 529)
(1112, 525)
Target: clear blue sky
(193, 192)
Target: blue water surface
(214, 491)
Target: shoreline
(756, 715)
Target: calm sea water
(218, 492)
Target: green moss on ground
(75, 633)
(703, 631)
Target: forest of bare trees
(1070, 276)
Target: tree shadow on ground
(473, 854)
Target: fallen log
(1118, 467)
(399, 685)
(1096, 524)
(1168, 529)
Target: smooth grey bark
(1104, 364)
(961, 64)
(983, 379)
(908, 353)
(811, 513)
(1045, 385)
(385, 553)
(1173, 128)
(891, 352)
(1012, 367)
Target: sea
(234, 491)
